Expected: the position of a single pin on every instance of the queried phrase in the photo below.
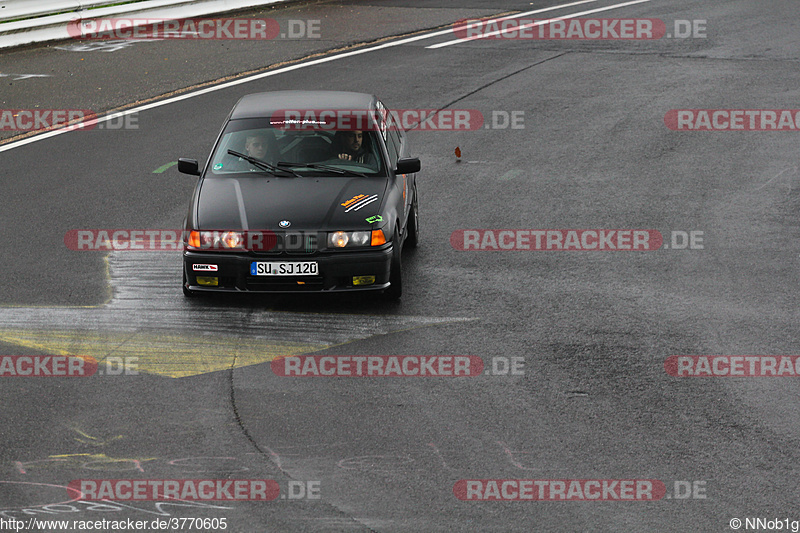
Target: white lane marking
(107, 46)
(24, 76)
(233, 83)
(537, 23)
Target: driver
(349, 146)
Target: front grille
(283, 243)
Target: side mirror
(188, 166)
(408, 165)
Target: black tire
(412, 239)
(186, 292)
(395, 290)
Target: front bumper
(335, 272)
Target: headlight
(338, 239)
(360, 238)
(216, 240)
(341, 239)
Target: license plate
(284, 268)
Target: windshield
(354, 152)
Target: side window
(393, 146)
(389, 133)
(400, 136)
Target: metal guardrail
(23, 9)
(30, 21)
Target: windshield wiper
(318, 166)
(263, 165)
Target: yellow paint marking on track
(172, 355)
(100, 457)
(88, 461)
(94, 441)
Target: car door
(408, 179)
(393, 136)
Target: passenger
(256, 146)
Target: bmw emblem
(284, 223)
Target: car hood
(307, 203)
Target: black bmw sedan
(304, 191)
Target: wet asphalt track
(594, 328)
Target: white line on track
(537, 23)
(290, 68)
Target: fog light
(363, 280)
(208, 281)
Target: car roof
(261, 105)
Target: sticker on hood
(357, 202)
